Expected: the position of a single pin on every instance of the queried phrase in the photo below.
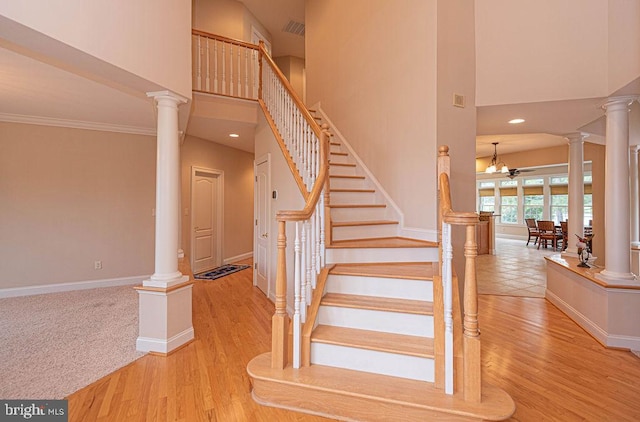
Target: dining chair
(548, 232)
(565, 235)
(533, 230)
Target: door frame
(219, 224)
(264, 158)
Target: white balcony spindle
(224, 69)
(199, 63)
(447, 252)
(215, 66)
(207, 81)
(231, 69)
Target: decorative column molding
(634, 205)
(616, 215)
(165, 300)
(167, 192)
(576, 191)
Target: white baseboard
(510, 236)
(158, 345)
(67, 287)
(420, 234)
(606, 339)
(237, 258)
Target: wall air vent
(294, 27)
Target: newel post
(280, 320)
(471, 338)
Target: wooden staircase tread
(342, 164)
(379, 390)
(374, 340)
(401, 270)
(357, 205)
(353, 190)
(377, 303)
(345, 176)
(383, 242)
(362, 223)
(337, 144)
(342, 154)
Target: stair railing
(471, 378)
(305, 146)
(224, 66)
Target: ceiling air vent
(294, 27)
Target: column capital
(167, 96)
(575, 137)
(619, 102)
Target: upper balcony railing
(225, 66)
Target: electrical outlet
(97, 265)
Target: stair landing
(352, 395)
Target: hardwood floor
(552, 368)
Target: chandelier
(493, 167)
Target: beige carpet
(53, 345)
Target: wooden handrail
(224, 39)
(296, 99)
(471, 378)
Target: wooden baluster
(198, 63)
(230, 69)
(215, 66)
(207, 84)
(280, 320)
(297, 280)
(246, 73)
(224, 69)
(471, 338)
(239, 85)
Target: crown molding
(75, 124)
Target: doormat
(220, 272)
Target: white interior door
(262, 223)
(205, 220)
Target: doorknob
(265, 235)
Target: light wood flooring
(552, 368)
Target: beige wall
(293, 69)
(623, 42)
(237, 166)
(378, 86)
(543, 50)
(228, 18)
(113, 31)
(69, 197)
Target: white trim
(511, 236)
(364, 168)
(219, 175)
(238, 258)
(147, 344)
(71, 286)
(418, 233)
(76, 124)
(609, 340)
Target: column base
(165, 318)
(612, 277)
(166, 281)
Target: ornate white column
(634, 205)
(616, 213)
(576, 191)
(165, 298)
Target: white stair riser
(360, 214)
(333, 158)
(342, 171)
(340, 198)
(367, 319)
(364, 232)
(396, 365)
(397, 288)
(340, 183)
(371, 255)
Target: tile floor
(515, 269)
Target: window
(509, 205)
(534, 182)
(533, 202)
(588, 205)
(488, 203)
(487, 185)
(487, 200)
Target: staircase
(368, 347)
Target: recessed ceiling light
(516, 121)
(234, 135)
